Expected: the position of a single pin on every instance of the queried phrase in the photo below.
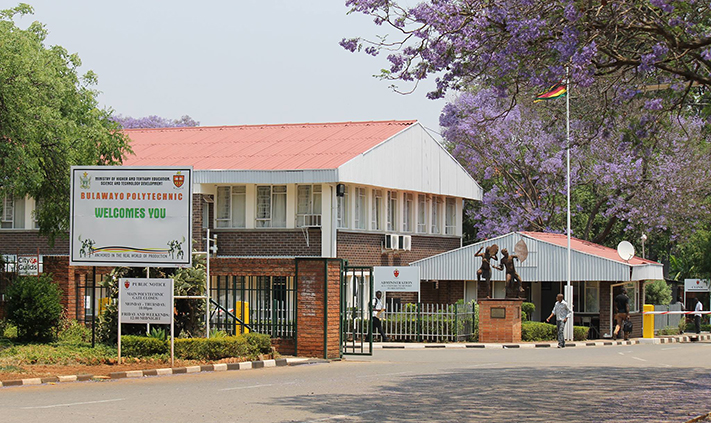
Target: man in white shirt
(561, 311)
(378, 310)
(697, 316)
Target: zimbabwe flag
(556, 91)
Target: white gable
(411, 160)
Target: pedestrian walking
(622, 313)
(561, 311)
(378, 309)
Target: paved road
(638, 383)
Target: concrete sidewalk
(595, 343)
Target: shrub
(34, 306)
(158, 333)
(143, 346)
(527, 310)
(249, 346)
(668, 330)
(537, 331)
(540, 331)
(73, 332)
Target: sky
(236, 62)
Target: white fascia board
(307, 176)
(650, 271)
(411, 160)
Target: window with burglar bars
(267, 304)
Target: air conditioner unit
(391, 242)
(309, 220)
(406, 242)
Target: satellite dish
(625, 250)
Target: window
(231, 206)
(450, 223)
(342, 212)
(271, 206)
(360, 208)
(13, 213)
(376, 217)
(586, 297)
(308, 205)
(391, 212)
(436, 219)
(407, 213)
(632, 293)
(422, 213)
(35, 214)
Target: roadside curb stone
(134, 374)
(576, 344)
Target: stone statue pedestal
(500, 320)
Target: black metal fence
(267, 304)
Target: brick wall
(72, 280)
(442, 292)
(506, 329)
(318, 308)
(366, 249)
(273, 242)
(26, 242)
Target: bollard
(648, 322)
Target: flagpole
(568, 288)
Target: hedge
(249, 346)
(540, 331)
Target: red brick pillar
(500, 320)
(318, 307)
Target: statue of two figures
(514, 288)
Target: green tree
(34, 306)
(49, 121)
(657, 292)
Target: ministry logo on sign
(178, 180)
(85, 181)
(396, 273)
(127, 284)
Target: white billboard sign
(131, 216)
(146, 300)
(28, 265)
(697, 285)
(396, 279)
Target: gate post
(318, 331)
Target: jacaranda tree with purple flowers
(153, 121)
(628, 173)
(523, 45)
(635, 166)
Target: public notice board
(131, 216)
(146, 300)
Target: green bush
(657, 292)
(34, 306)
(143, 346)
(540, 331)
(527, 310)
(249, 346)
(668, 330)
(73, 332)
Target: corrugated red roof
(585, 247)
(259, 147)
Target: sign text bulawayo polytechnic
(131, 216)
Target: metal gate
(356, 309)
